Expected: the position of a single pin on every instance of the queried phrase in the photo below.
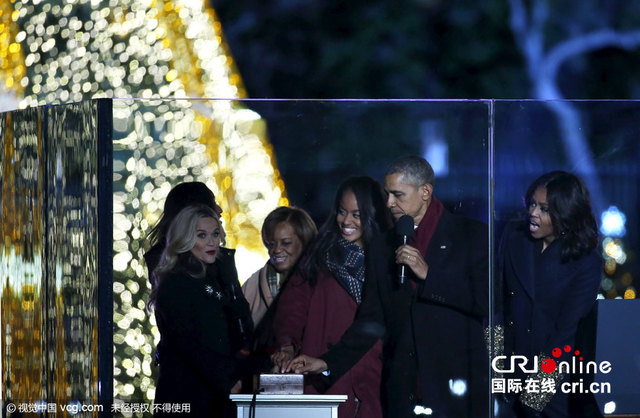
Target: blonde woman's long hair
(181, 238)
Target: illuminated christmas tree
(54, 52)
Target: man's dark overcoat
(434, 347)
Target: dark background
(424, 48)
(437, 49)
(453, 49)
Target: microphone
(404, 228)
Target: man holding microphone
(429, 314)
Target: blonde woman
(197, 301)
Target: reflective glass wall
(56, 305)
(23, 253)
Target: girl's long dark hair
(374, 219)
(570, 211)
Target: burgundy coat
(312, 320)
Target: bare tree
(528, 25)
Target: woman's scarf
(346, 262)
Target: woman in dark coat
(551, 272)
(196, 298)
(320, 300)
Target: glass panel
(318, 144)
(256, 155)
(49, 257)
(72, 263)
(598, 142)
(22, 256)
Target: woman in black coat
(551, 271)
(197, 301)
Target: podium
(289, 406)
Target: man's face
(406, 199)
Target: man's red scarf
(421, 239)
(427, 227)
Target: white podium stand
(290, 406)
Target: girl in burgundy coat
(320, 300)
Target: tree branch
(529, 32)
(587, 43)
(518, 22)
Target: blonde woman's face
(208, 236)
